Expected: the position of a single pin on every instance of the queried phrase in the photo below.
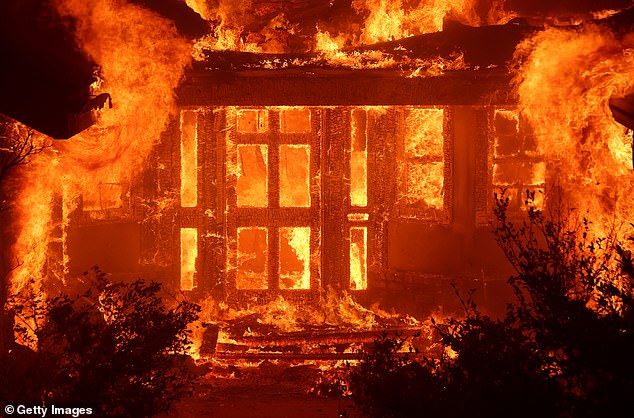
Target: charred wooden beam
(316, 337)
(324, 87)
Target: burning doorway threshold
(337, 329)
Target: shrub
(117, 346)
(561, 350)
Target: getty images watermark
(49, 410)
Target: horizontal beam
(325, 87)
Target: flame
(564, 93)
(252, 182)
(358, 258)
(358, 159)
(252, 260)
(335, 310)
(189, 253)
(295, 267)
(295, 175)
(142, 59)
(424, 165)
(189, 159)
(392, 19)
(231, 17)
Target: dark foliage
(562, 349)
(117, 346)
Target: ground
(261, 390)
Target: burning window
(252, 186)
(358, 258)
(189, 253)
(295, 175)
(269, 160)
(517, 165)
(422, 168)
(189, 159)
(252, 265)
(358, 212)
(295, 258)
(358, 158)
(295, 120)
(253, 121)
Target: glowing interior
(252, 263)
(423, 149)
(252, 183)
(295, 120)
(517, 166)
(358, 159)
(253, 121)
(189, 252)
(358, 258)
(189, 159)
(295, 175)
(295, 258)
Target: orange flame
(564, 93)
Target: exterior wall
(412, 261)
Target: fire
(424, 165)
(358, 159)
(295, 258)
(252, 187)
(294, 176)
(358, 258)
(189, 159)
(252, 268)
(142, 59)
(564, 94)
(189, 253)
(389, 20)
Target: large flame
(565, 82)
(142, 59)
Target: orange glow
(201, 7)
(358, 159)
(189, 253)
(252, 184)
(424, 158)
(252, 271)
(253, 121)
(103, 196)
(189, 159)
(358, 258)
(295, 258)
(294, 120)
(229, 17)
(295, 175)
(424, 132)
(564, 94)
(517, 165)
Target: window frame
(273, 217)
(404, 210)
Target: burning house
(366, 165)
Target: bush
(562, 349)
(117, 346)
